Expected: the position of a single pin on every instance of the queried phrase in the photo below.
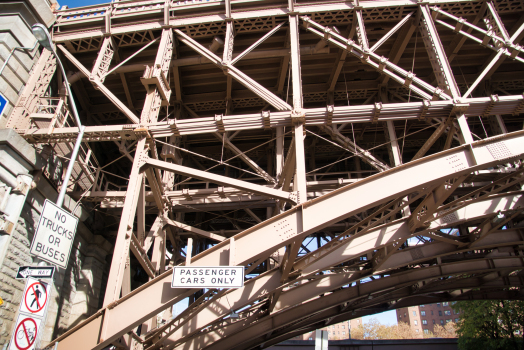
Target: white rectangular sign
(25, 333)
(54, 235)
(208, 277)
(35, 298)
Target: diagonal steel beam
(252, 164)
(219, 179)
(437, 56)
(194, 230)
(400, 75)
(365, 155)
(391, 32)
(122, 107)
(258, 42)
(242, 78)
(282, 229)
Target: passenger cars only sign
(208, 277)
(54, 235)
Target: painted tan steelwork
(258, 147)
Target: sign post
(54, 235)
(31, 315)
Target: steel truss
(353, 156)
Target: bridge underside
(355, 157)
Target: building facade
(27, 178)
(337, 331)
(423, 318)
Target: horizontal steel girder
(313, 116)
(297, 223)
(133, 16)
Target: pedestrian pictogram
(35, 299)
(25, 334)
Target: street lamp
(42, 35)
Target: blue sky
(386, 318)
(80, 3)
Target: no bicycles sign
(26, 331)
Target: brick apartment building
(337, 331)
(423, 318)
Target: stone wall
(16, 19)
(76, 290)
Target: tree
(490, 324)
(448, 331)
(373, 329)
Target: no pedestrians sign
(36, 297)
(54, 235)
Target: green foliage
(490, 324)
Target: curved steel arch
(374, 245)
(394, 289)
(317, 285)
(300, 221)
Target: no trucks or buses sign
(208, 277)
(54, 235)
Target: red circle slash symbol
(38, 292)
(25, 334)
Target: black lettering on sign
(60, 217)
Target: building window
(422, 313)
(422, 305)
(310, 338)
(445, 303)
(414, 313)
(448, 321)
(456, 320)
(441, 321)
(405, 314)
(342, 326)
(431, 312)
(455, 312)
(426, 331)
(399, 316)
(433, 321)
(343, 333)
(424, 322)
(416, 323)
(447, 312)
(416, 330)
(440, 313)
(438, 304)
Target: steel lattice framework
(353, 156)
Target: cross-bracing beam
(396, 182)
(361, 221)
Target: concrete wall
(16, 19)
(77, 290)
(401, 344)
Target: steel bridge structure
(354, 156)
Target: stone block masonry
(76, 290)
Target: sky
(387, 318)
(80, 3)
